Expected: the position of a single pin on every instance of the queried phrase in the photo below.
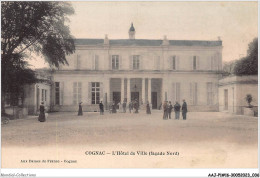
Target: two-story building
(144, 69)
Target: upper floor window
(115, 62)
(136, 62)
(174, 62)
(194, 62)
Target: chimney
(165, 40)
(106, 40)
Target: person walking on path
(136, 106)
(101, 108)
(80, 113)
(169, 109)
(114, 107)
(130, 106)
(165, 110)
(148, 110)
(124, 107)
(42, 114)
(184, 110)
(177, 108)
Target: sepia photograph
(129, 84)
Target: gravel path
(205, 140)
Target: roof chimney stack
(106, 40)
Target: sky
(235, 22)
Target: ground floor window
(194, 93)
(209, 93)
(95, 93)
(44, 95)
(76, 92)
(57, 93)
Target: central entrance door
(154, 100)
(134, 96)
(116, 97)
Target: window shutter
(101, 92)
(76, 62)
(195, 93)
(170, 63)
(96, 62)
(130, 62)
(197, 63)
(89, 93)
(93, 62)
(209, 63)
(53, 94)
(191, 62)
(191, 95)
(174, 93)
(141, 66)
(120, 62)
(155, 62)
(158, 62)
(61, 92)
(177, 62)
(215, 94)
(110, 62)
(79, 92)
(178, 91)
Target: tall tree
(32, 27)
(249, 64)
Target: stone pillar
(143, 90)
(128, 90)
(108, 91)
(122, 90)
(149, 91)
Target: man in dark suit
(101, 108)
(184, 110)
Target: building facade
(147, 70)
(233, 91)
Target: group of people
(133, 105)
(167, 110)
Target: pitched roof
(147, 42)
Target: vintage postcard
(129, 85)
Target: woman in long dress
(80, 113)
(42, 114)
(148, 110)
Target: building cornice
(69, 72)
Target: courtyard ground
(204, 140)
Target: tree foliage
(35, 26)
(249, 64)
(228, 68)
